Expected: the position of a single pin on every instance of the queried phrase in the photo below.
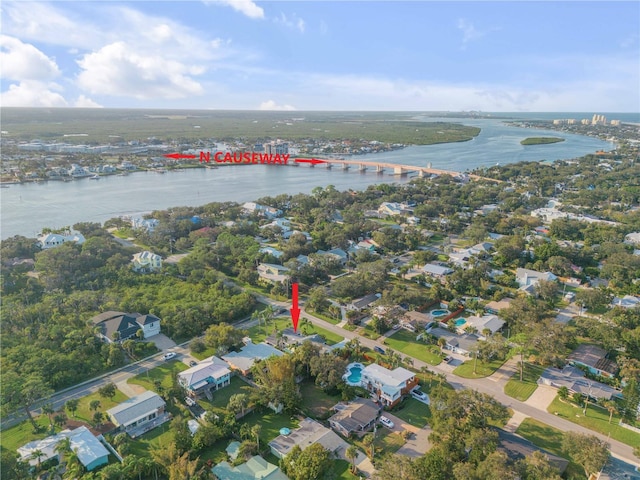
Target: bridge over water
(398, 169)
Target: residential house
(282, 223)
(574, 380)
(146, 261)
(356, 417)
(594, 359)
(262, 210)
(90, 451)
(337, 253)
(256, 468)
(390, 209)
(243, 360)
(462, 344)
(628, 301)
(490, 322)
(51, 240)
(527, 279)
(272, 273)
(272, 251)
(147, 224)
(436, 271)
(139, 414)
(388, 385)
(118, 326)
(517, 448)
(495, 307)
(632, 238)
(207, 376)
(308, 433)
(415, 320)
(362, 303)
(288, 338)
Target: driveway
(542, 397)
(418, 444)
(162, 342)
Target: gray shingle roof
(136, 407)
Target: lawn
(315, 402)
(523, 390)
(343, 471)
(597, 419)
(86, 414)
(221, 397)
(387, 442)
(259, 333)
(270, 424)
(17, 436)
(413, 412)
(164, 373)
(482, 370)
(158, 437)
(324, 317)
(549, 438)
(404, 341)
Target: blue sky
(323, 55)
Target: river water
(27, 208)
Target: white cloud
(85, 102)
(23, 61)
(271, 105)
(293, 22)
(32, 93)
(118, 69)
(469, 31)
(246, 7)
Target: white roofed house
(139, 414)
(436, 271)
(388, 385)
(527, 279)
(146, 262)
(205, 377)
(486, 322)
(51, 240)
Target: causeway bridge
(398, 169)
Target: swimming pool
(439, 313)
(459, 322)
(354, 374)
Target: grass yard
(315, 402)
(164, 373)
(597, 419)
(259, 333)
(221, 397)
(271, 424)
(482, 370)
(413, 412)
(549, 438)
(404, 341)
(523, 390)
(17, 436)
(342, 469)
(324, 317)
(158, 437)
(86, 414)
(386, 442)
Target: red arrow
(295, 311)
(312, 161)
(176, 156)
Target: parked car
(189, 401)
(419, 395)
(447, 359)
(379, 350)
(396, 326)
(168, 356)
(386, 422)
(193, 363)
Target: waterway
(27, 208)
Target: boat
(95, 177)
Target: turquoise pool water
(460, 321)
(355, 374)
(439, 312)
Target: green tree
(94, 405)
(222, 337)
(631, 396)
(238, 403)
(586, 450)
(23, 391)
(72, 406)
(352, 453)
(108, 391)
(312, 463)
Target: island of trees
(541, 140)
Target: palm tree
(563, 393)
(612, 407)
(368, 441)
(63, 447)
(352, 454)
(73, 467)
(255, 431)
(37, 454)
(72, 406)
(442, 342)
(47, 409)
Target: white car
(386, 422)
(419, 395)
(189, 401)
(168, 356)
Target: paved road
(493, 388)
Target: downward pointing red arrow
(312, 161)
(295, 311)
